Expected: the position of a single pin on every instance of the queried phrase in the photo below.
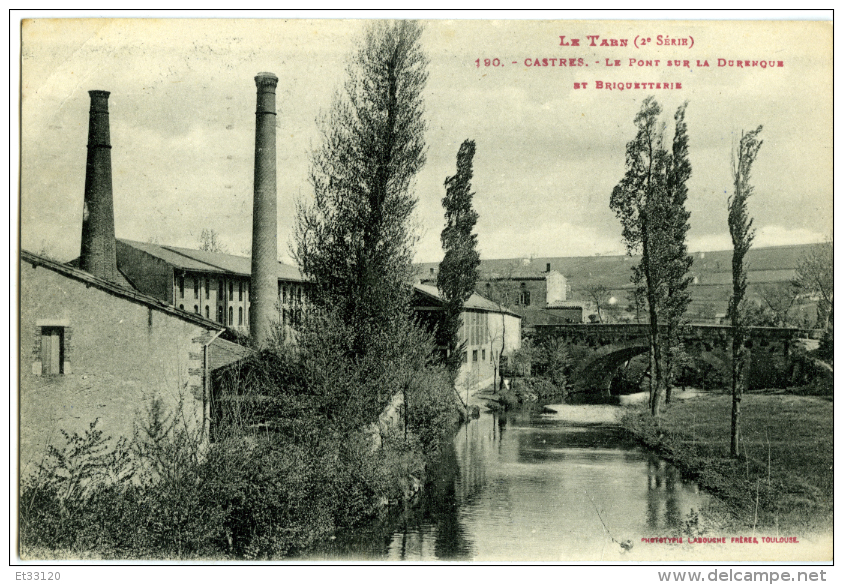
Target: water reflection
(533, 487)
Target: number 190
(488, 62)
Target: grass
(784, 478)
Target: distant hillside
(712, 272)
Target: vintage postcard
(238, 338)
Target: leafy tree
(353, 239)
(458, 270)
(649, 201)
(675, 260)
(600, 295)
(740, 228)
(815, 276)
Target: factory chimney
(263, 313)
(98, 254)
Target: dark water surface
(534, 487)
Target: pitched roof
(223, 353)
(474, 302)
(199, 260)
(117, 290)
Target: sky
(547, 154)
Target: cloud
(548, 156)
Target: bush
(432, 408)
(290, 462)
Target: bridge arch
(611, 345)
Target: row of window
(474, 354)
(288, 294)
(475, 328)
(220, 313)
(197, 285)
(291, 294)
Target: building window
(230, 291)
(196, 309)
(221, 294)
(283, 295)
(207, 288)
(230, 316)
(181, 286)
(239, 291)
(181, 307)
(219, 314)
(483, 357)
(52, 351)
(240, 316)
(524, 298)
(195, 288)
(207, 312)
(465, 357)
(474, 355)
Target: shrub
(432, 408)
(290, 462)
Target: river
(531, 486)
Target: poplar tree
(650, 203)
(676, 260)
(742, 232)
(353, 239)
(458, 270)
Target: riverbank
(783, 481)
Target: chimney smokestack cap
(264, 77)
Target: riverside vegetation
(784, 479)
(294, 458)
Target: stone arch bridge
(613, 344)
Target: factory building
(489, 331)
(216, 286)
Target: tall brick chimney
(263, 313)
(98, 254)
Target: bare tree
(600, 295)
(500, 288)
(815, 276)
(209, 241)
(780, 298)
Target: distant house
(525, 292)
(92, 349)
(210, 284)
(488, 330)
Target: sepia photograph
(365, 290)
